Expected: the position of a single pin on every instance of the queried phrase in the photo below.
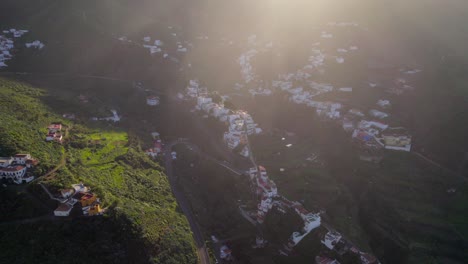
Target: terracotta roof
(32, 161)
(87, 196)
(15, 168)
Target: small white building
(63, 209)
(225, 252)
(378, 114)
(331, 239)
(383, 103)
(66, 193)
(152, 100)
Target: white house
(331, 239)
(225, 253)
(152, 100)
(21, 158)
(383, 103)
(13, 172)
(66, 193)
(378, 114)
(80, 187)
(63, 209)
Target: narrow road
(451, 172)
(202, 251)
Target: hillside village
(240, 123)
(79, 194)
(7, 44)
(369, 127)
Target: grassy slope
(23, 124)
(143, 220)
(409, 200)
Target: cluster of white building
(373, 133)
(266, 190)
(305, 94)
(335, 241)
(240, 123)
(247, 71)
(54, 133)
(157, 147)
(35, 44)
(7, 41)
(15, 168)
(114, 118)
(268, 197)
(7, 44)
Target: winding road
(184, 204)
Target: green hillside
(142, 222)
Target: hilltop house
(54, 136)
(54, 132)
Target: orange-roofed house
(95, 209)
(87, 199)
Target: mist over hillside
(323, 94)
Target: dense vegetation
(24, 124)
(142, 222)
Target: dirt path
(62, 161)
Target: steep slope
(142, 223)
